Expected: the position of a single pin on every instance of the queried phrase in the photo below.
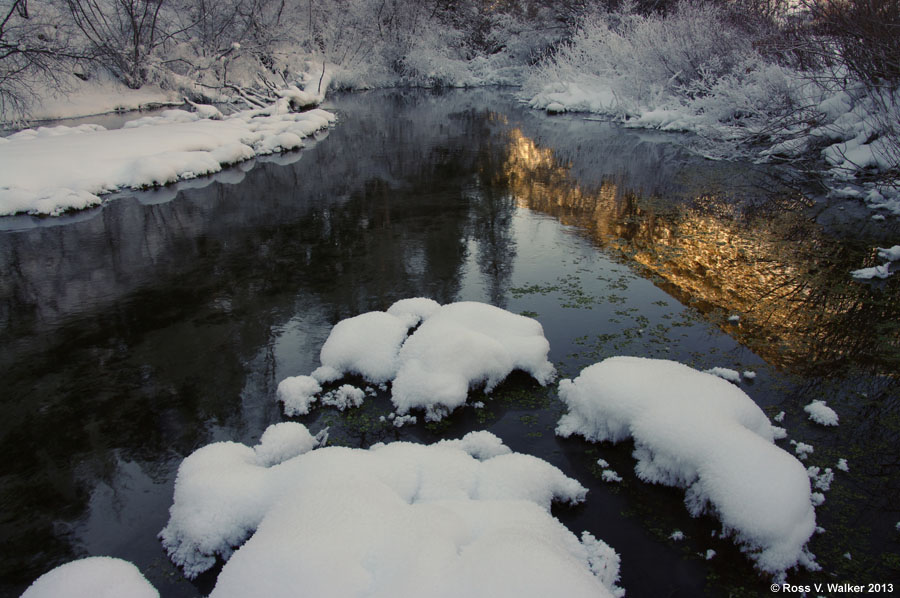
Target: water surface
(133, 334)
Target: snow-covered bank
(54, 169)
(74, 98)
(693, 70)
(460, 517)
(696, 431)
(455, 347)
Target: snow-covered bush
(640, 62)
(792, 94)
(34, 43)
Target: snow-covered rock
(455, 347)
(297, 392)
(695, 431)
(464, 344)
(465, 517)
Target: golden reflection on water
(789, 283)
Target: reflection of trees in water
(491, 223)
(765, 259)
(789, 282)
(127, 334)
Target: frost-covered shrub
(35, 45)
(643, 61)
(436, 58)
(696, 68)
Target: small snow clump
(725, 374)
(821, 413)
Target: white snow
(696, 431)
(677, 535)
(891, 254)
(609, 475)
(633, 68)
(842, 465)
(402, 420)
(821, 413)
(822, 479)
(102, 94)
(749, 374)
(49, 171)
(462, 345)
(367, 345)
(802, 449)
(455, 347)
(284, 441)
(465, 517)
(93, 577)
(710, 554)
(725, 374)
(414, 310)
(882, 271)
(344, 397)
(297, 393)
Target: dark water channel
(133, 334)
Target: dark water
(133, 334)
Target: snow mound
(367, 345)
(461, 518)
(695, 431)
(821, 413)
(50, 170)
(93, 577)
(464, 344)
(297, 393)
(455, 347)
